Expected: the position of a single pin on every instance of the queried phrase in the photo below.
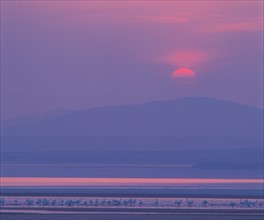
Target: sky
(82, 54)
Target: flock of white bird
(129, 202)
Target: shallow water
(132, 182)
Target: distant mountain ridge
(185, 117)
(201, 132)
(26, 119)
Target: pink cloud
(187, 58)
(254, 25)
(167, 19)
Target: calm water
(125, 171)
(131, 182)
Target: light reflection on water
(126, 182)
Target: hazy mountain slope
(185, 117)
(198, 131)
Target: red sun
(183, 72)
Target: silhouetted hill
(28, 119)
(186, 117)
(136, 140)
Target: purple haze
(78, 55)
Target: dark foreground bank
(225, 215)
(130, 192)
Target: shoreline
(136, 193)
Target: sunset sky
(82, 54)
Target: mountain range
(201, 131)
(186, 117)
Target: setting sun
(183, 72)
